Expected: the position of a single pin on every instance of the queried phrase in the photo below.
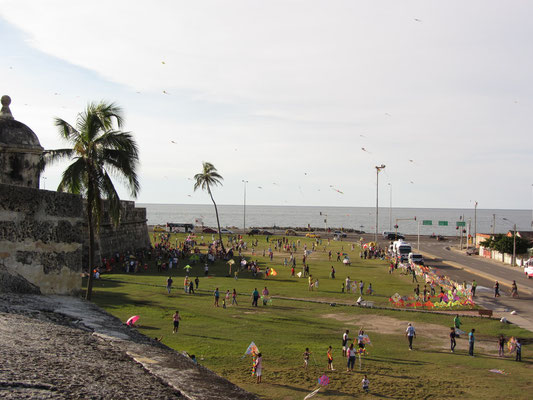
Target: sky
(302, 99)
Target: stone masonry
(41, 237)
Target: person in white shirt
(410, 333)
(365, 382)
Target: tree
(98, 151)
(504, 244)
(207, 178)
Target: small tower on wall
(20, 150)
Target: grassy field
(219, 337)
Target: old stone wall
(41, 237)
(129, 236)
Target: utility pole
(514, 245)
(325, 221)
(378, 169)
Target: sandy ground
(393, 326)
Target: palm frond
(74, 178)
(67, 131)
(49, 157)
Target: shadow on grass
(206, 337)
(398, 361)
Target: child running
(365, 382)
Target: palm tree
(98, 151)
(207, 178)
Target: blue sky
(298, 97)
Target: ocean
(362, 218)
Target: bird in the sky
(411, 161)
(165, 92)
(274, 183)
(411, 181)
(173, 142)
(418, 20)
(259, 187)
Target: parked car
(340, 234)
(226, 231)
(416, 258)
(160, 228)
(395, 236)
(254, 232)
(472, 251)
(529, 271)
(266, 233)
(209, 230)
(312, 235)
(290, 232)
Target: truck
(401, 249)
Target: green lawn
(282, 331)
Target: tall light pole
(475, 224)
(378, 169)
(513, 259)
(390, 206)
(244, 208)
(44, 182)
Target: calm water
(363, 218)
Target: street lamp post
(475, 224)
(390, 206)
(244, 207)
(325, 221)
(378, 169)
(513, 259)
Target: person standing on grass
(330, 359)
(347, 284)
(453, 343)
(259, 367)
(176, 318)
(518, 350)
(216, 293)
(345, 342)
(332, 273)
(197, 282)
(410, 333)
(457, 322)
(255, 297)
(191, 287)
(361, 287)
(234, 298)
(351, 358)
(501, 344)
(169, 284)
(471, 340)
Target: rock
(11, 282)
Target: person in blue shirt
(217, 296)
(518, 350)
(471, 340)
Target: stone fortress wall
(130, 235)
(44, 234)
(41, 237)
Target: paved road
(460, 267)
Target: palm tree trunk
(218, 221)
(90, 224)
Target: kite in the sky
(411, 161)
(387, 114)
(337, 190)
(165, 92)
(411, 181)
(362, 136)
(173, 142)
(365, 150)
(259, 187)
(418, 20)
(274, 183)
(162, 62)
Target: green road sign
(443, 223)
(427, 222)
(461, 223)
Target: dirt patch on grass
(393, 326)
